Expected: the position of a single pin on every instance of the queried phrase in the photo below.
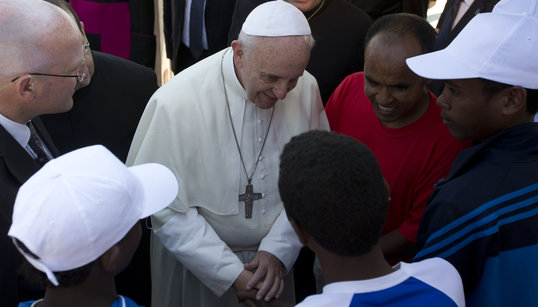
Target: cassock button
(263, 211)
(263, 195)
(261, 158)
(260, 139)
(263, 176)
(260, 121)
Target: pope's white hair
(28, 29)
(249, 42)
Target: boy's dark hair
(37, 278)
(492, 87)
(332, 186)
(401, 25)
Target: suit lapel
(18, 162)
(476, 7)
(45, 137)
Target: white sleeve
(282, 241)
(197, 246)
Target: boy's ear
(110, 259)
(515, 99)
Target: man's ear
(25, 87)
(239, 53)
(514, 99)
(110, 259)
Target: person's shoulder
(349, 12)
(26, 304)
(123, 301)
(355, 81)
(433, 271)
(106, 61)
(326, 299)
(440, 274)
(435, 265)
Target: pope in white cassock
(220, 126)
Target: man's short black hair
(39, 279)
(402, 24)
(332, 186)
(492, 87)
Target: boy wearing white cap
(483, 218)
(220, 126)
(77, 221)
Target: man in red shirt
(388, 108)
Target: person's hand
(244, 296)
(268, 269)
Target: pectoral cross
(249, 197)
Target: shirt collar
(20, 132)
(231, 77)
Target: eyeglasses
(86, 47)
(80, 76)
(81, 73)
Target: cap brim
(439, 65)
(159, 187)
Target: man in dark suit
(465, 10)
(217, 17)
(39, 69)
(455, 16)
(106, 111)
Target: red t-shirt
(412, 158)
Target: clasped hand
(261, 281)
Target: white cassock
(202, 239)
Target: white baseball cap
(80, 204)
(276, 18)
(501, 46)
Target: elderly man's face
(397, 94)
(468, 112)
(271, 69)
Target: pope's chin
(263, 101)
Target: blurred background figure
(195, 29)
(120, 27)
(378, 8)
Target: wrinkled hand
(247, 297)
(267, 268)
